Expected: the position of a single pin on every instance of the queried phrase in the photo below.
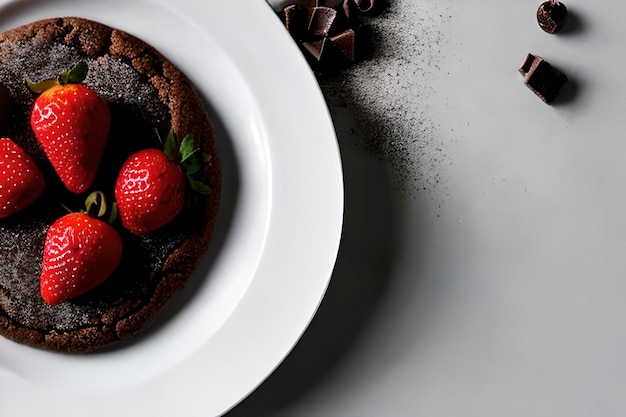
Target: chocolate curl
(362, 6)
(352, 8)
(365, 6)
(349, 9)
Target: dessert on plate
(110, 183)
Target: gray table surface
(480, 272)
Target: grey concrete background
(481, 267)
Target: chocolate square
(542, 78)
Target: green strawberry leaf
(189, 157)
(187, 149)
(198, 186)
(75, 75)
(170, 147)
(191, 166)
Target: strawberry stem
(75, 75)
(96, 206)
(113, 213)
(96, 201)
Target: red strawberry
(150, 188)
(150, 191)
(72, 124)
(21, 181)
(80, 253)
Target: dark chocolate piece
(551, 15)
(316, 48)
(321, 22)
(328, 33)
(296, 19)
(542, 78)
(345, 42)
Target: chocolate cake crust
(147, 95)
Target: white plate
(277, 237)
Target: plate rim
(298, 75)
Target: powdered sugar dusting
(30, 60)
(119, 83)
(128, 93)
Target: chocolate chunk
(542, 78)
(345, 42)
(296, 20)
(322, 19)
(316, 48)
(550, 16)
(328, 32)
